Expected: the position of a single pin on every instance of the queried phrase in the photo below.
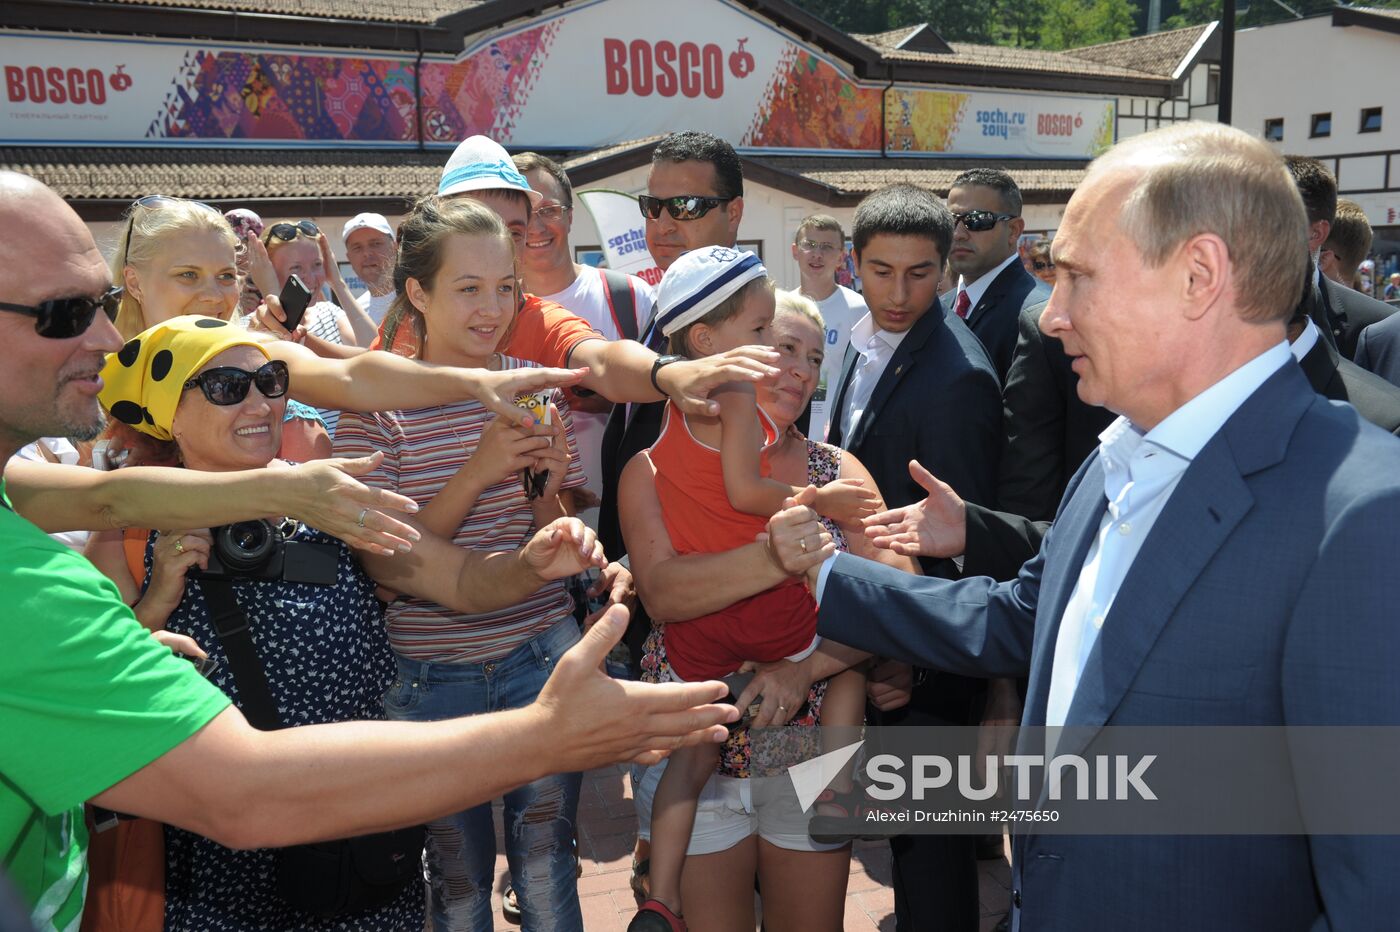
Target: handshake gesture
(934, 527)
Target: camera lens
(245, 546)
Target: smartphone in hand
(294, 299)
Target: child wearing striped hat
(715, 493)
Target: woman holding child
(723, 601)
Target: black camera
(259, 550)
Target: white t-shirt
(323, 320)
(840, 311)
(587, 297)
(64, 452)
(376, 306)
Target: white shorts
(726, 813)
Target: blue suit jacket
(1265, 594)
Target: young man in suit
(1344, 313)
(1180, 261)
(917, 383)
(993, 284)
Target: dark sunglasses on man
(980, 221)
(228, 385)
(680, 207)
(152, 202)
(288, 231)
(65, 318)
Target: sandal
(655, 917)
(639, 879)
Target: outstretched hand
(600, 721)
(689, 383)
(797, 541)
(497, 390)
(335, 501)
(934, 527)
(564, 547)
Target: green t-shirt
(87, 698)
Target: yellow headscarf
(143, 382)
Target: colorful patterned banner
(593, 74)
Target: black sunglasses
(228, 385)
(980, 221)
(151, 201)
(288, 231)
(1043, 266)
(680, 207)
(65, 318)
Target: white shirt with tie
(975, 290)
(1141, 470)
(875, 347)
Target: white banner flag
(623, 232)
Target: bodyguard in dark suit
(917, 383)
(1226, 558)
(1378, 349)
(1342, 313)
(993, 285)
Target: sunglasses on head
(680, 207)
(228, 385)
(152, 202)
(288, 231)
(65, 318)
(980, 221)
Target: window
(1212, 85)
(1321, 125)
(1371, 120)
(1273, 129)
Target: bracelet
(656, 367)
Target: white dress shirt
(975, 290)
(1141, 470)
(1306, 340)
(875, 346)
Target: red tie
(962, 305)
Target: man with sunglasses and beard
(92, 708)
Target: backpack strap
(622, 302)
(231, 624)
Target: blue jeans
(539, 817)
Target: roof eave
(223, 25)
(1018, 79)
(1346, 16)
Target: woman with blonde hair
(178, 257)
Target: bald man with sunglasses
(93, 709)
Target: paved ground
(606, 832)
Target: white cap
(481, 164)
(367, 222)
(699, 280)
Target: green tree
(1194, 13)
(1072, 23)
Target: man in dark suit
(993, 286)
(1194, 574)
(1343, 313)
(1378, 349)
(916, 383)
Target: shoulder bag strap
(231, 625)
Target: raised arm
(324, 494)
(250, 789)
(741, 446)
(620, 370)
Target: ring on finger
(179, 545)
(360, 522)
(802, 542)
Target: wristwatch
(656, 367)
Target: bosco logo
(1057, 124)
(81, 86)
(667, 68)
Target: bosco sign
(668, 68)
(79, 86)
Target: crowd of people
(296, 592)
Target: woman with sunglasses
(179, 257)
(206, 394)
(302, 248)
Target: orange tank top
(690, 486)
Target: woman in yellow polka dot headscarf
(208, 390)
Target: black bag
(329, 878)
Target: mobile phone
(204, 666)
(294, 298)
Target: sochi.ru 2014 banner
(589, 74)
